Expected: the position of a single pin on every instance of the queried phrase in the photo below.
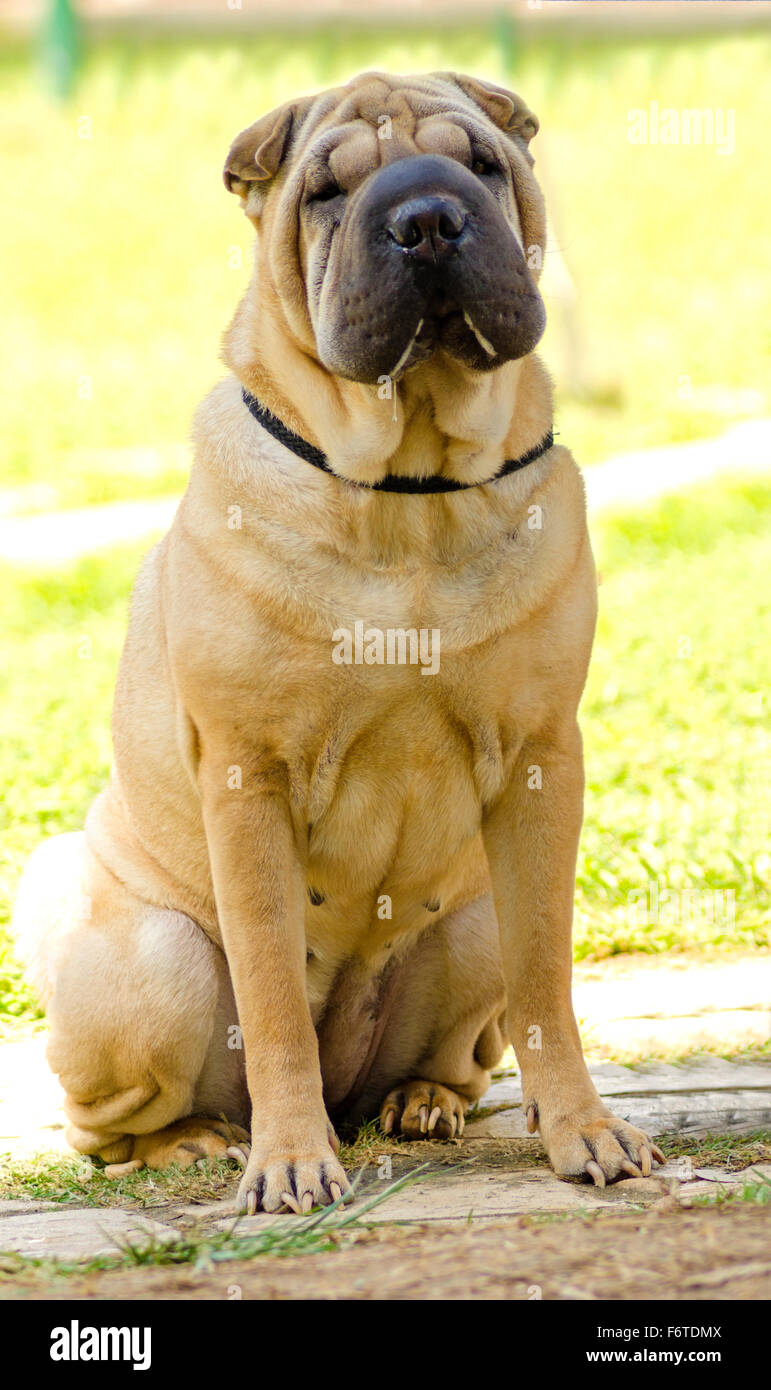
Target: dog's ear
(506, 109)
(256, 154)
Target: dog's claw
(433, 1117)
(307, 1201)
(238, 1154)
(657, 1154)
(335, 1191)
(251, 1203)
(595, 1173)
(627, 1166)
(422, 1110)
(532, 1119)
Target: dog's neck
(441, 418)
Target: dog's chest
(394, 806)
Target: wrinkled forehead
(377, 124)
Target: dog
(333, 872)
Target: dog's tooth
(405, 355)
(483, 343)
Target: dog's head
(399, 219)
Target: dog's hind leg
(140, 1009)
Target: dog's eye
(483, 166)
(326, 193)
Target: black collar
(393, 482)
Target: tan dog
(333, 871)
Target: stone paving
(461, 1196)
(713, 1094)
(74, 1233)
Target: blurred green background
(126, 255)
(124, 260)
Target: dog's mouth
(446, 326)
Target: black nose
(426, 228)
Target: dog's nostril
(408, 234)
(428, 225)
(451, 225)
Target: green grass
(62, 640)
(127, 256)
(71, 1180)
(730, 1151)
(634, 1055)
(676, 749)
(675, 727)
(756, 1193)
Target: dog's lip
(441, 312)
(437, 323)
(440, 306)
(432, 334)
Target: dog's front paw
(423, 1110)
(291, 1178)
(597, 1146)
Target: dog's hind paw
(423, 1110)
(184, 1143)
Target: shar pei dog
(332, 874)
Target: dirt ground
(719, 1253)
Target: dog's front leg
(531, 839)
(260, 894)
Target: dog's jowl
(320, 887)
